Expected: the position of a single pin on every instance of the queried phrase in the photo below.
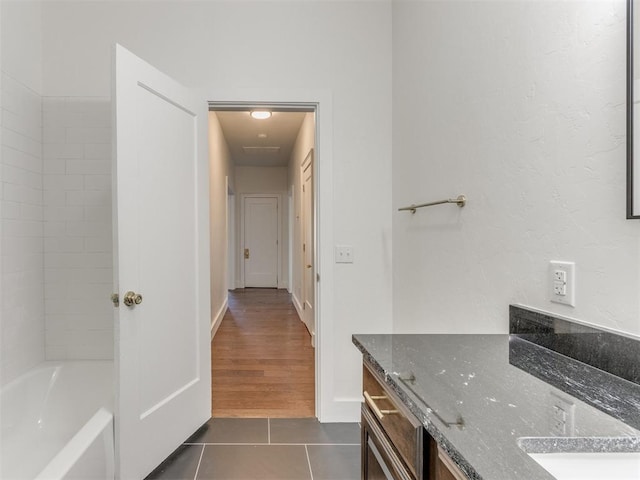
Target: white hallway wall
(520, 106)
(340, 47)
(221, 171)
(304, 142)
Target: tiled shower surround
(77, 228)
(56, 229)
(22, 216)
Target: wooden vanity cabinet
(395, 445)
(393, 439)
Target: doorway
(270, 252)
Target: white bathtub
(57, 423)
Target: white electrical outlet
(561, 415)
(562, 280)
(344, 254)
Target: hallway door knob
(246, 253)
(309, 266)
(132, 298)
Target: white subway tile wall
(77, 228)
(23, 318)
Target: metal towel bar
(460, 200)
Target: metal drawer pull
(410, 380)
(369, 400)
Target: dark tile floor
(266, 449)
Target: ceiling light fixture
(260, 114)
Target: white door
(162, 350)
(308, 284)
(261, 242)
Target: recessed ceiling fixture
(260, 114)
(262, 135)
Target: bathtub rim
(66, 458)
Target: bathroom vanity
(394, 442)
(501, 407)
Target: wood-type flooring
(262, 361)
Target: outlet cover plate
(562, 415)
(562, 282)
(344, 254)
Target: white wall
(221, 172)
(520, 106)
(21, 249)
(273, 180)
(343, 48)
(78, 228)
(22, 42)
(304, 142)
(261, 179)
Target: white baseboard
(297, 305)
(341, 410)
(217, 319)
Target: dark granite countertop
(504, 409)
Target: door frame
(240, 250)
(329, 406)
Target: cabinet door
(446, 469)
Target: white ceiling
(241, 133)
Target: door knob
(132, 298)
(309, 266)
(246, 253)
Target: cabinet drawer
(404, 430)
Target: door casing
(329, 406)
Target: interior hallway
(262, 361)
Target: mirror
(633, 110)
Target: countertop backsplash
(602, 368)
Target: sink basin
(590, 465)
